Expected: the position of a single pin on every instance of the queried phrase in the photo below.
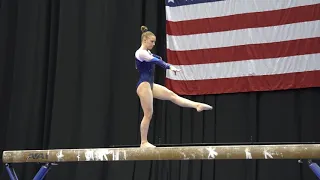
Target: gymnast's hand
(174, 69)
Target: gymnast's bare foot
(146, 145)
(202, 107)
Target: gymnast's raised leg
(162, 93)
(146, 95)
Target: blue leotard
(145, 64)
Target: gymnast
(147, 89)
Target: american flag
(242, 45)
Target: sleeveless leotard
(145, 64)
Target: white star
(212, 153)
(171, 1)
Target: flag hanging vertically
(242, 45)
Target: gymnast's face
(149, 42)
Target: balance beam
(286, 151)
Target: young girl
(147, 89)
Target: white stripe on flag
(230, 7)
(272, 66)
(244, 36)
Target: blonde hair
(145, 33)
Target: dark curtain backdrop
(67, 80)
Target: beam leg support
(43, 171)
(315, 168)
(11, 172)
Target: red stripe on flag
(246, 84)
(245, 52)
(241, 21)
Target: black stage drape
(67, 80)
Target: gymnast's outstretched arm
(145, 56)
(160, 62)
